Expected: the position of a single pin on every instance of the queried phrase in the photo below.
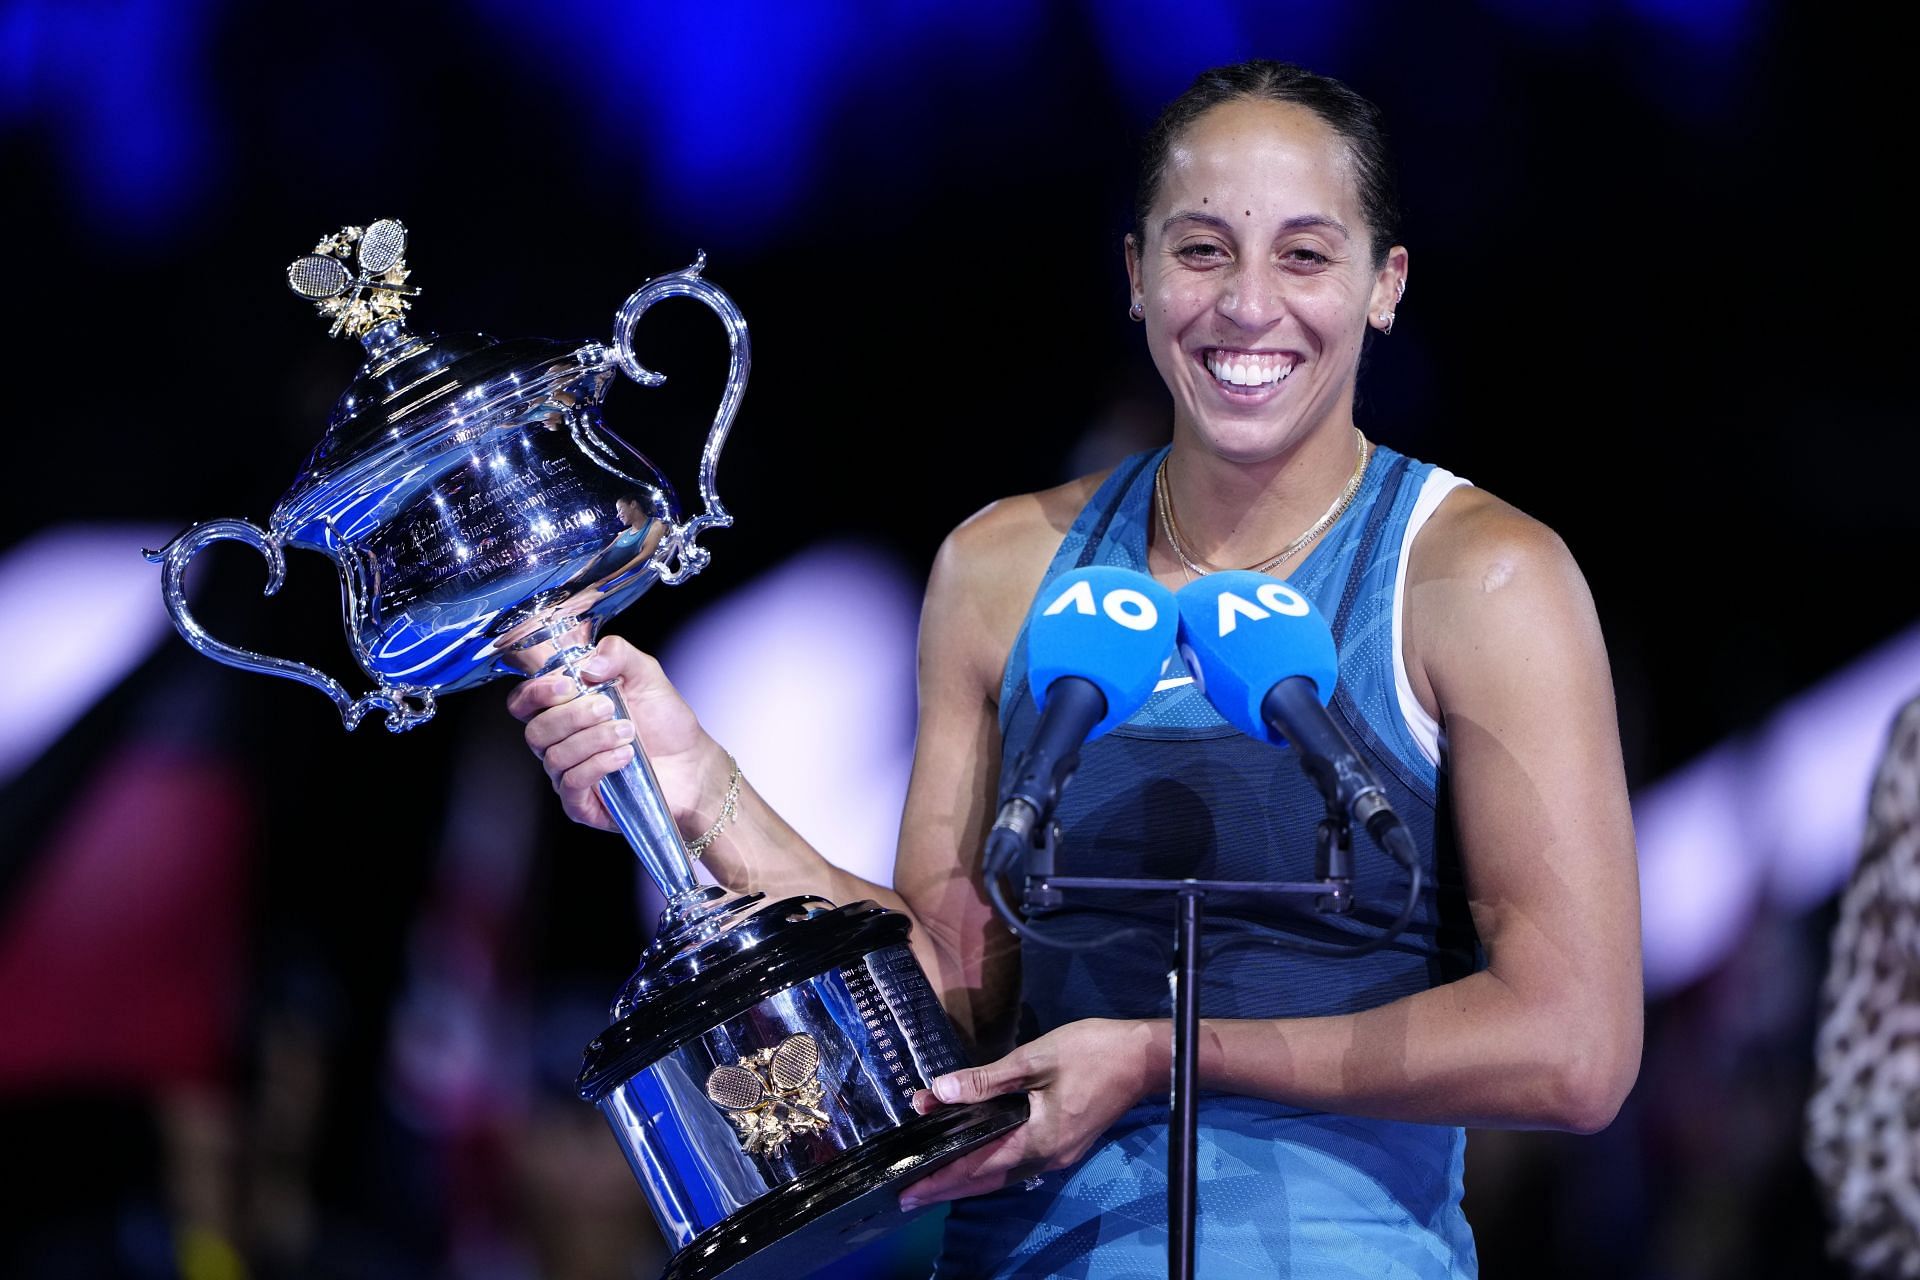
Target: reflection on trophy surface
(486, 522)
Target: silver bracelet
(699, 846)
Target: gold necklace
(1193, 565)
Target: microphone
(1265, 659)
(1098, 640)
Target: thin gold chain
(1193, 565)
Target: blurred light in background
(124, 956)
(1154, 48)
(94, 603)
(120, 87)
(807, 675)
(1773, 818)
(735, 114)
(1706, 21)
(734, 111)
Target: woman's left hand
(1079, 1079)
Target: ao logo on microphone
(1278, 597)
(1130, 608)
(1236, 664)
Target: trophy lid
(414, 392)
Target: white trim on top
(1425, 729)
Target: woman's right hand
(579, 742)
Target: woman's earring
(1137, 312)
(1386, 322)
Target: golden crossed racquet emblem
(772, 1095)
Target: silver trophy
(485, 523)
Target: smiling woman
(1472, 680)
(1262, 249)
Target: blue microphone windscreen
(1108, 625)
(1242, 633)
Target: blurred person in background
(1863, 1119)
(1263, 257)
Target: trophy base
(841, 1205)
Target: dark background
(1657, 299)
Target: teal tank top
(1178, 792)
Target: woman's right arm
(973, 606)
(579, 742)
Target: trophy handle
(681, 545)
(405, 705)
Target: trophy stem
(632, 795)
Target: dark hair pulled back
(1348, 114)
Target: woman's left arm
(1503, 643)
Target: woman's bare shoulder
(1490, 587)
(1478, 540)
(1026, 525)
(990, 566)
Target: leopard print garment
(1863, 1119)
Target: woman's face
(1256, 278)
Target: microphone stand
(1333, 892)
